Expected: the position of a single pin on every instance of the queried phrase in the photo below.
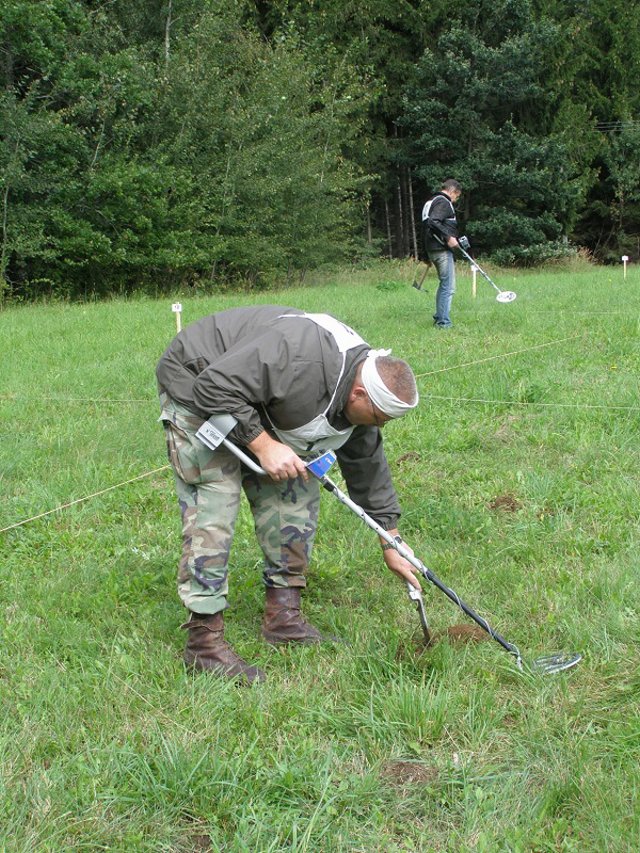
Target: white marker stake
(624, 259)
(177, 310)
(474, 270)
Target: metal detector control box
(214, 431)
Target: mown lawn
(519, 481)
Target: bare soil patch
(408, 773)
(505, 503)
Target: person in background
(440, 235)
(296, 384)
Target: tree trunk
(400, 222)
(8, 63)
(388, 219)
(167, 33)
(4, 285)
(412, 214)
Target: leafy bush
(533, 255)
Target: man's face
(455, 195)
(360, 411)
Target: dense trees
(477, 108)
(145, 145)
(142, 150)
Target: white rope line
(86, 498)
(418, 375)
(571, 312)
(501, 355)
(525, 403)
(18, 398)
(164, 467)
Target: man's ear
(357, 392)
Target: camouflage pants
(209, 485)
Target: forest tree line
(204, 142)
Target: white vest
(318, 435)
(425, 216)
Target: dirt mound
(465, 634)
(506, 503)
(408, 773)
(456, 634)
(411, 456)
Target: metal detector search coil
(503, 295)
(558, 662)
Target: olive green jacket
(250, 363)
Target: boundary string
(16, 398)
(418, 375)
(526, 403)
(86, 498)
(501, 355)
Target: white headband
(379, 394)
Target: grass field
(519, 480)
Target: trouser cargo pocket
(192, 461)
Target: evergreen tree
(83, 202)
(600, 74)
(144, 144)
(261, 138)
(477, 110)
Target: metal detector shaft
(418, 284)
(330, 486)
(213, 436)
(479, 268)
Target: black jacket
(438, 222)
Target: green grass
(519, 481)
